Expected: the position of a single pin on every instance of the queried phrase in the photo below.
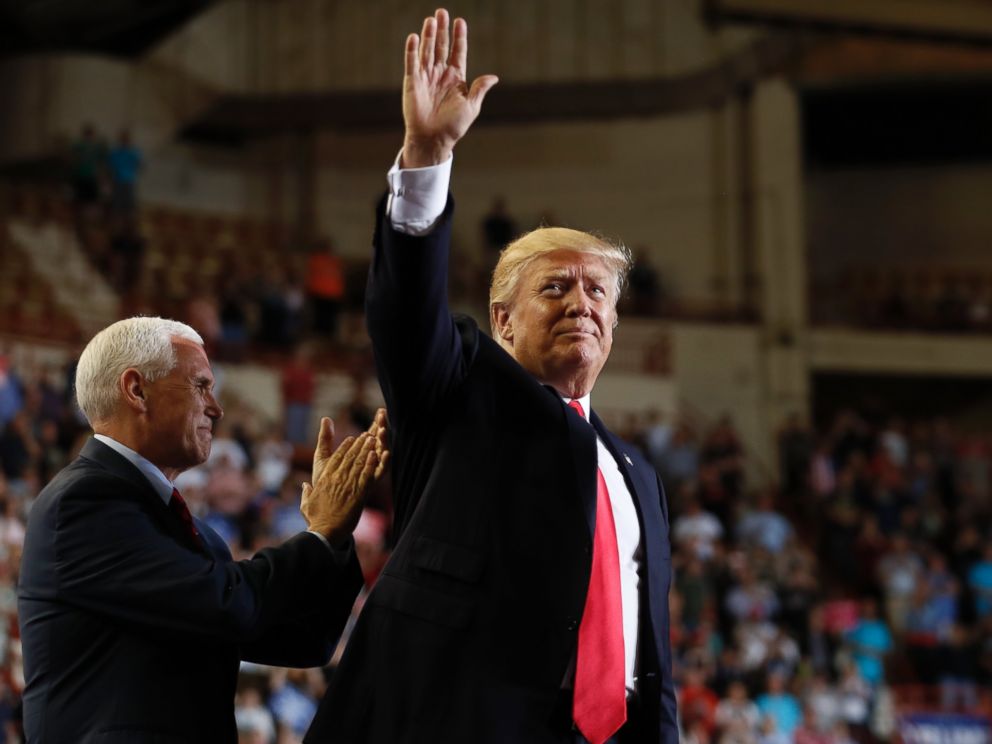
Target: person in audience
(299, 384)
(124, 164)
(696, 530)
(498, 228)
(325, 287)
(763, 526)
(870, 641)
(980, 582)
(736, 714)
(780, 705)
(900, 570)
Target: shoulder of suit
(83, 479)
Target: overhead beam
(950, 20)
(239, 117)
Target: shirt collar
(162, 485)
(583, 401)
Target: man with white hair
(133, 615)
(526, 598)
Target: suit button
(573, 625)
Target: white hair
(142, 343)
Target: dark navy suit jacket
(133, 635)
(469, 632)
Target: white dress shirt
(416, 200)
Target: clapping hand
(334, 501)
(438, 104)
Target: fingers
(481, 86)
(340, 454)
(411, 60)
(441, 46)
(383, 464)
(427, 36)
(361, 456)
(459, 48)
(380, 417)
(370, 465)
(378, 430)
(325, 440)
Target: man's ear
(132, 386)
(499, 316)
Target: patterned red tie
(178, 506)
(599, 704)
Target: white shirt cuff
(417, 196)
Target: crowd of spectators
(808, 613)
(926, 298)
(795, 611)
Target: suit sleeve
(113, 559)
(309, 638)
(417, 347)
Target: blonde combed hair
(518, 255)
(142, 343)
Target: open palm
(438, 104)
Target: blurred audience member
(325, 287)
(299, 383)
(124, 163)
(498, 228)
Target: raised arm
(439, 105)
(417, 348)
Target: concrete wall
(906, 216)
(648, 182)
(46, 99)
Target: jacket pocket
(404, 596)
(455, 561)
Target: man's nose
(577, 303)
(214, 410)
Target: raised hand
(333, 504)
(438, 104)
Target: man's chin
(578, 361)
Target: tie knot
(577, 407)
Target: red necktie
(599, 704)
(178, 506)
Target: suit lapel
(104, 456)
(647, 499)
(654, 535)
(107, 458)
(631, 475)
